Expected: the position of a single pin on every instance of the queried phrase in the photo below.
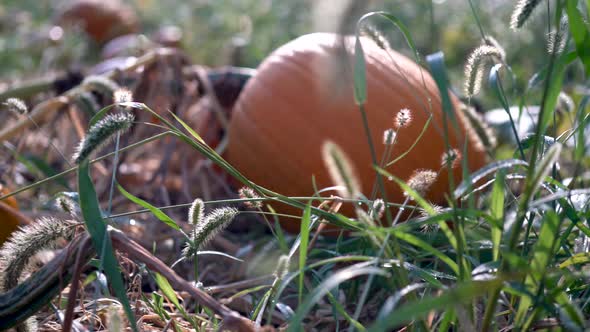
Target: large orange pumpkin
(302, 95)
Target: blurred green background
(244, 32)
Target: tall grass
(509, 252)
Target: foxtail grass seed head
(213, 223)
(67, 205)
(341, 170)
(451, 157)
(437, 210)
(282, 267)
(85, 101)
(196, 212)
(403, 118)
(189, 251)
(25, 243)
(374, 34)
(115, 319)
(29, 325)
(475, 67)
(16, 106)
(522, 12)
(99, 133)
(249, 193)
(491, 41)
(565, 103)
(430, 228)
(389, 136)
(365, 218)
(378, 209)
(122, 96)
(104, 86)
(478, 131)
(421, 181)
(556, 39)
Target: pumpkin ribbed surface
(303, 95)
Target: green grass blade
(189, 129)
(545, 166)
(583, 119)
(581, 258)
(543, 254)
(413, 240)
(399, 25)
(541, 75)
(392, 302)
(573, 312)
(97, 229)
(411, 192)
(154, 210)
(304, 236)
(579, 32)
(555, 83)
(460, 294)
(483, 172)
(323, 288)
(58, 177)
(360, 73)
(218, 253)
(439, 73)
(530, 139)
(43, 167)
(557, 196)
(280, 235)
(496, 86)
(427, 207)
(497, 212)
(168, 291)
(360, 76)
(402, 155)
(339, 308)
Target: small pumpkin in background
(102, 20)
(9, 218)
(302, 96)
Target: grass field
(149, 199)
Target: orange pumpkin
(102, 20)
(302, 96)
(9, 218)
